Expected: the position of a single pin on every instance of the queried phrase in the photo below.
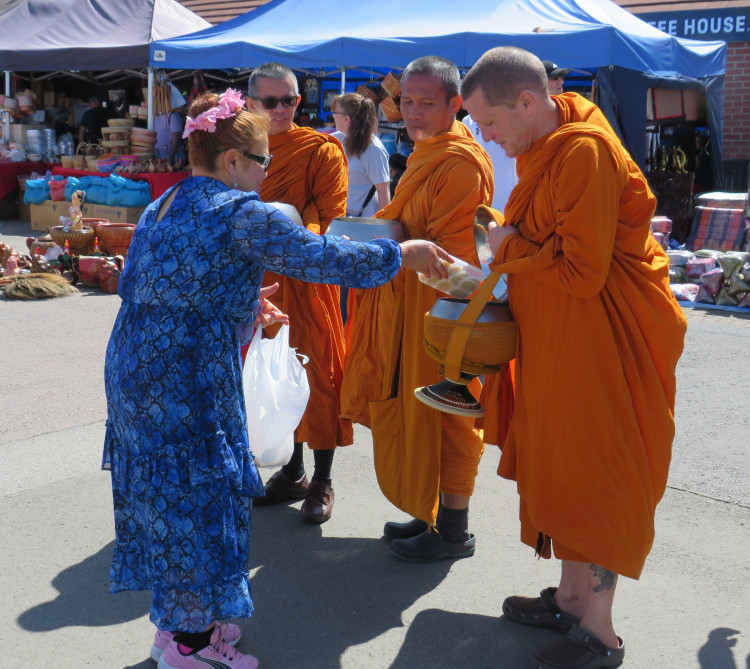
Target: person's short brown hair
(502, 74)
(241, 131)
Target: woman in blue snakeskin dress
(183, 476)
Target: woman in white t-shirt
(369, 176)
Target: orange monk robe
(600, 335)
(418, 450)
(309, 171)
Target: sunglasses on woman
(271, 102)
(263, 161)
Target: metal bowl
(363, 229)
(450, 308)
(290, 211)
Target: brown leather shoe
(318, 504)
(280, 488)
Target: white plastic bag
(276, 394)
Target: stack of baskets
(142, 143)
(388, 105)
(116, 136)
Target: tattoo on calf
(607, 578)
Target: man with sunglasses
(308, 172)
(426, 461)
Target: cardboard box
(49, 99)
(47, 214)
(117, 214)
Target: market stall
(61, 39)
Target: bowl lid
(364, 220)
(481, 237)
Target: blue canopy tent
(594, 35)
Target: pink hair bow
(229, 102)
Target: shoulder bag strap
(367, 200)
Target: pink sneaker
(218, 655)
(230, 634)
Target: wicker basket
(390, 110)
(471, 336)
(81, 241)
(67, 162)
(83, 152)
(371, 91)
(391, 85)
(91, 162)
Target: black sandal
(580, 650)
(539, 611)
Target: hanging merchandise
(162, 93)
(199, 86)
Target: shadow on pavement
(318, 595)
(716, 653)
(468, 640)
(85, 600)
(315, 595)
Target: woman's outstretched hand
(425, 257)
(269, 312)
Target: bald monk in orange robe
(600, 334)
(419, 452)
(308, 171)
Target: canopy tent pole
(343, 80)
(150, 101)
(6, 131)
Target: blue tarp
(583, 34)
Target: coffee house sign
(730, 25)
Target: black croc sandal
(580, 650)
(539, 611)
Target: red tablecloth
(9, 174)
(159, 182)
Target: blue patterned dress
(183, 476)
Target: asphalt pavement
(332, 596)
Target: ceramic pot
(114, 238)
